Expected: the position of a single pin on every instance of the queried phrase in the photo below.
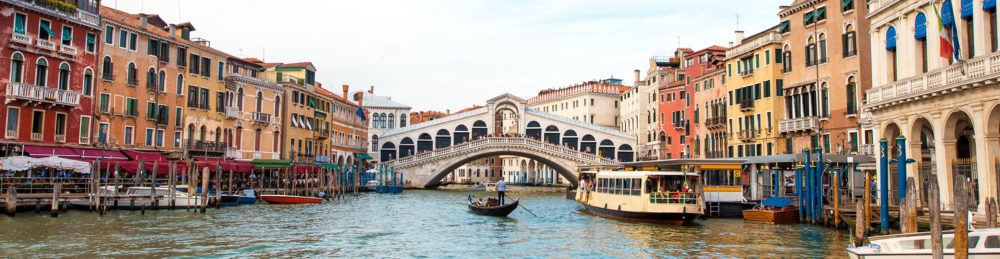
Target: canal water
(417, 223)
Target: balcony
(321, 134)
(233, 113)
(262, 118)
(68, 50)
(935, 83)
(107, 77)
(748, 135)
(799, 124)
(60, 138)
(233, 153)
(11, 134)
(41, 94)
(680, 124)
(70, 14)
(715, 154)
(257, 155)
(746, 105)
(151, 86)
(36, 136)
(45, 44)
(20, 38)
(747, 73)
(132, 82)
(206, 146)
(716, 122)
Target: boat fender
(619, 207)
(605, 206)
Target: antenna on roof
(737, 21)
(179, 11)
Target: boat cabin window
(924, 243)
(672, 189)
(992, 242)
(973, 241)
(619, 186)
(722, 177)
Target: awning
(46, 28)
(21, 163)
(808, 17)
(40, 151)
(783, 26)
(271, 163)
(320, 114)
(295, 121)
(845, 3)
(819, 12)
(96, 154)
(363, 156)
(989, 4)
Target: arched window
(392, 120)
(810, 51)
(850, 41)
(852, 103)
(180, 84)
(107, 69)
(131, 75)
(41, 67)
(786, 53)
(203, 132)
(920, 36)
(890, 48)
(218, 134)
(17, 68)
(63, 83)
(151, 79)
(277, 106)
(825, 100)
(239, 99)
(88, 81)
(161, 83)
(822, 48)
(402, 120)
(260, 102)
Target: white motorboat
(983, 243)
(140, 195)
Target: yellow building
(301, 135)
(753, 84)
(206, 90)
(252, 111)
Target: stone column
(986, 151)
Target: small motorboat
(229, 199)
(371, 185)
(983, 243)
(774, 210)
(248, 197)
(289, 199)
(490, 209)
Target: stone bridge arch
(563, 169)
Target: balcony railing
(42, 94)
(260, 117)
(680, 124)
(233, 113)
(44, 44)
(321, 134)
(715, 122)
(68, 50)
(941, 79)
(132, 82)
(233, 153)
(20, 38)
(799, 124)
(11, 134)
(747, 73)
(60, 139)
(36, 136)
(108, 77)
(748, 135)
(746, 105)
(206, 146)
(71, 14)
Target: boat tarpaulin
(779, 202)
(21, 163)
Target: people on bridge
(501, 188)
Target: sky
(452, 54)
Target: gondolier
(501, 188)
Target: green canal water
(416, 223)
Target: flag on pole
(947, 30)
(361, 114)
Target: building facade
(824, 73)
(753, 84)
(678, 111)
(947, 109)
(595, 101)
(252, 111)
(51, 59)
(639, 104)
(706, 73)
(385, 114)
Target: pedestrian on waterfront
(501, 188)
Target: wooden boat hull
(289, 199)
(497, 211)
(771, 216)
(670, 218)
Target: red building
(50, 57)
(677, 106)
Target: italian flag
(947, 41)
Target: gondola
(497, 211)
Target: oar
(522, 206)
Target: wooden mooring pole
(909, 223)
(868, 202)
(934, 202)
(204, 188)
(56, 189)
(11, 201)
(961, 218)
(991, 212)
(859, 223)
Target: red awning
(96, 154)
(304, 168)
(214, 163)
(40, 151)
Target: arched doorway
(921, 148)
(405, 147)
(588, 144)
(607, 149)
(569, 139)
(443, 139)
(424, 143)
(461, 134)
(505, 121)
(890, 133)
(625, 153)
(533, 131)
(960, 147)
(552, 135)
(479, 129)
(388, 152)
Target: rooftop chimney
(143, 21)
(345, 91)
(371, 90)
(636, 75)
(361, 99)
(739, 37)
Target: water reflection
(416, 223)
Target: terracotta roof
(183, 24)
(684, 49)
(468, 109)
(324, 92)
(132, 20)
(299, 64)
(253, 60)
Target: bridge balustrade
(533, 144)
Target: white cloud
(452, 54)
